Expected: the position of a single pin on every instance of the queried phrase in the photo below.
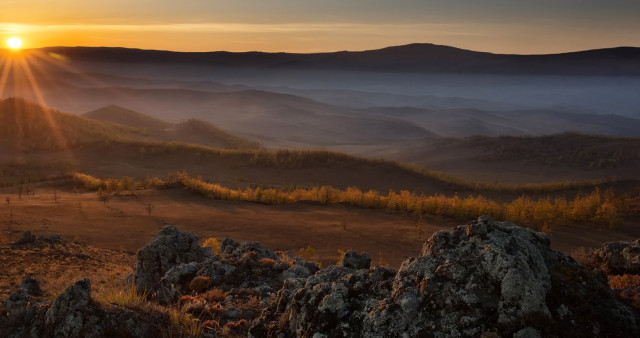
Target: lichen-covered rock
(26, 238)
(168, 249)
(74, 314)
(355, 260)
(484, 277)
(68, 315)
(25, 311)
(251, 266)
(238, 266)
(333, 302)
(32, 286)
(50, 239)
(174, 282)
(617, 258)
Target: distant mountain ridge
(419, 57)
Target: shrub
(628, 287)
(213, 243)
(268, 262)
(200, 283)
(215, 295)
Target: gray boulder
(70, 313)
(31, 285)
(617, 258)
(168, 249)
(26, 238)
(334, 302)
(355, 260)
(74, 314)
(477, 279)
(238, 266)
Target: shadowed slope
(127, 117)
(192, 131)
(28, 126)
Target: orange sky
(501, 26)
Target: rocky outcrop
(25, 311)
(70, 314)
(334, 302)
(617, 258)
(26, 238)
(354, 260)
(237, 266)
(481, 278)
(168, 249)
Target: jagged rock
(23, 296)
(25, 317)
(238, 266)
(174, 282)
(354, 260)
(26, 238)
(228, 245)
(17, 299)
(74, 314)
(168, 249)
(333, 302)
(68, 313)
(617, 258)
(50, 239)
(484, 277)
(32, 285)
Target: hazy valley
(319, 154)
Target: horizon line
(324, 52)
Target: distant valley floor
(125, 223)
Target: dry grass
(583, 255)
(215, 295)
(129, 297)
(59, 265)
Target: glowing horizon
(513, 27)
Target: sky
(307, 26)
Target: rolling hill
(419, 57)
(127, 117)
(469, 122)
(518, 159)
(27, 126)
(190, 131)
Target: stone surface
(617, 258)
(355, 260)
(486, 278)
(238, 266)
(26, 238)
(68, 317)
(168, 249)
(31, 285)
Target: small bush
(200, 283)
(213, 243)
(268, 262)
(215, 295)
(628, 287)
(583, 255)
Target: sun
(14, 43)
